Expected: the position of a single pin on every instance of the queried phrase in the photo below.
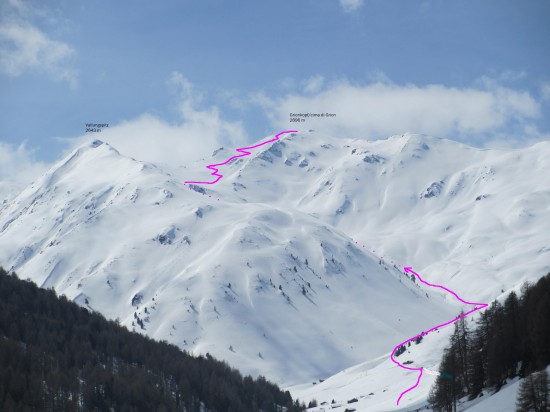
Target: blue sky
(175, 79)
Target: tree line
(508, 340)
(57, 356)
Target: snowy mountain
(476, 220)
(267, 269)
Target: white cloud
(18, 168)
(24, 47)
(380, 109)
(198, 132)
(351, 5)
(194, 136)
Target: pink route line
(478, 306)
(244, 152)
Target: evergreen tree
(505, 337)
(477, 364)
(496, 365)
(57, 356)
(400, 350)
(534, 393)
(510, 335)
(459, 344)
(443, 395)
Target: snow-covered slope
(263, 269)
(476, 220)
(358, 388)
(271, 291)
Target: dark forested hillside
(57, 356)
(510, 339)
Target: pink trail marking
(477, 307)
(244, 152)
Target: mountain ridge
(230, 277)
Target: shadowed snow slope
(262, 269)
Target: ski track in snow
(478, 306)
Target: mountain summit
(291, 265)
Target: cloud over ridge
(383, 108)
(25, 47)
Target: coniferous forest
(508, 340)
(57, 356)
